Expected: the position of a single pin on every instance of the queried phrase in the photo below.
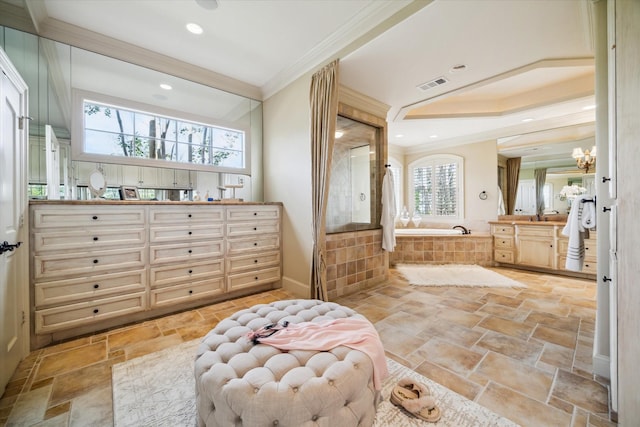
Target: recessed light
(165, 86)
(457, 68)
(433, 136)
(529, 119)
(194, 28)
(339, 134)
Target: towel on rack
(388, 215)
(575, 229)
(588, 219)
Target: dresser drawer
(241, 246)
(170, 275)
(253, 278)
(503, 242)
(235, 229)
(187, 292)
(99, 286)
(537, 231)
(184, 215)
(590, 249)
(504, 256)
(252, 262)
(590, 267)
(88, 238)
(247, 213)
(73, 315)
(185, 233)
(186, 251)
(502, 229)
(82, 264)
(82, 216)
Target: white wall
(480, 174)
(287, 178)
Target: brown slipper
(415, 398)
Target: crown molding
(362, 102)
(371, 21)
(79, 37)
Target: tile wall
(443, 250)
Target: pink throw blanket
(358, 334)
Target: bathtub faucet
(465, 230)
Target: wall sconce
(585, 160)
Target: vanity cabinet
(504, 243)
(88, 264)
(103, 264)
(536, 246)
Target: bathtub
(427, 232)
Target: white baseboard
(299, 289)
(602, 365)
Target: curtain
(513, 174)
(324, 112)
(540, 176)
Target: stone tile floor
(523, 353)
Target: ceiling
(517, 71)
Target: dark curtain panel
(324, 113)
(513, 175)
(540, 176)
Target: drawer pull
(190, 291)
(586, 265)
(95, 261)
(190, 271)
(255, 213)
(255, 228)
(96, 286)
(190, 233)
(189, 215)
(95, 239)
(190, 251)
(95, 217)
(256, 277)
(95, 311)
(255, 260)
(255, 244)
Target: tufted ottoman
(239, 383)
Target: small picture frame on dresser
(128, 192)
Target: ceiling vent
(433, 83)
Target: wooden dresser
(97, 265)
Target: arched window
(436, 186)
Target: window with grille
(436, 185)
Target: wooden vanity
(100, 264)
(538, 245)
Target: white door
(526, 198)
(13, 277)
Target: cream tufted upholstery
(242, 384)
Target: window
(436, 186)
(135, 136)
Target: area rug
(159, 390)
(454, 275)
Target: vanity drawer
(590, 267)
(503, 242)
(536, 230)
(169, 275)
(83, 216)
(239, 246)
(246, 213)
(187, 292)
(83, 264)
(504, 256)
(185, 233)
(88, 238)
(253, 278)
(73, 315)
(590, 249)
(252, 262)
(99, 286)
(184, 215)
(252, 228)
(502, 229)
(186, 251)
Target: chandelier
(585, 160)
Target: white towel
(575, 229)
(501, 210)
(588, 213)
(388, 215)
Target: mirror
(548, 150)
(351, 204)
